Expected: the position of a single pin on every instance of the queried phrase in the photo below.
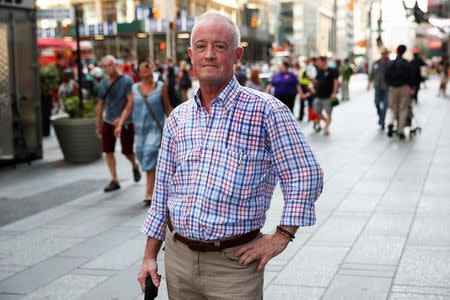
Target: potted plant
(49, 76)
(76, 132)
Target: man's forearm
(98, 113)
(152, 248)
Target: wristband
(286, 233)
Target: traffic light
(154, 12)
(253, 21)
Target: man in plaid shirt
(222, 155)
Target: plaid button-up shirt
(217, 171)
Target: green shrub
(72, 107)
(49, 79)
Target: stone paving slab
(39, 275)
(410, 296)
(287, 292)
(381, 230)
(312, 266)
(68, 287)
(123, 286)
(99, 244)
(424, 267)
(377, 250)
(118, 258)
(340, 229)
(346, 287)
(431, 231)
(45, 249)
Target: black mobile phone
(151, 291)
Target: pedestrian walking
(416, 65)
(306, 84)
(398, 76)
(222, 154)
(326, 85)
(149, 105)
(443, 70)
(285, 85)
(376, 76)
(345, 71)
(113, 97)
(254, 81)
(241, 75)
(67, 88)
(173, 90)
(184, 82)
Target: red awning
(56, 43)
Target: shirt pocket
(236, 174)
(188, 163)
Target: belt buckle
(203, 246)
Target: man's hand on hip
(262, 249)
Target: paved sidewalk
(382, 229)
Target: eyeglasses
(146, 66)
(216, 47)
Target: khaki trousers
(209, 275)
(399, 101)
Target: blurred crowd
(318, 83)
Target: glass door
(6, 128)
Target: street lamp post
(79, 67)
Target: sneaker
(317, 127)
(112, 186)
(136, 174)
(390, 132)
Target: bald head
(216, 16)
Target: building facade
(158, 29)
(344, 28)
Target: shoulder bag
(149, 108)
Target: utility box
(20, 96)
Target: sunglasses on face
(146, 66)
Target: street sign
(98, 29)
(57, 14)
(29, 4)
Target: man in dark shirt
(376, 76)
(326, 83)
(399, 79)
(416, 65)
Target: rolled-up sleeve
(300, 175)
(155, 222)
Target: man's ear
(189, 52)
(238, 54)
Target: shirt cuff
(298, 214)
(154, 225)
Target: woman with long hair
(150, 105)
(255, 81)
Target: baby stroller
(411, 128)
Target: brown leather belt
(203, 246)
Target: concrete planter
(77, 139)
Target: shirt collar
(227, 96)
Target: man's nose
(210, 52)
